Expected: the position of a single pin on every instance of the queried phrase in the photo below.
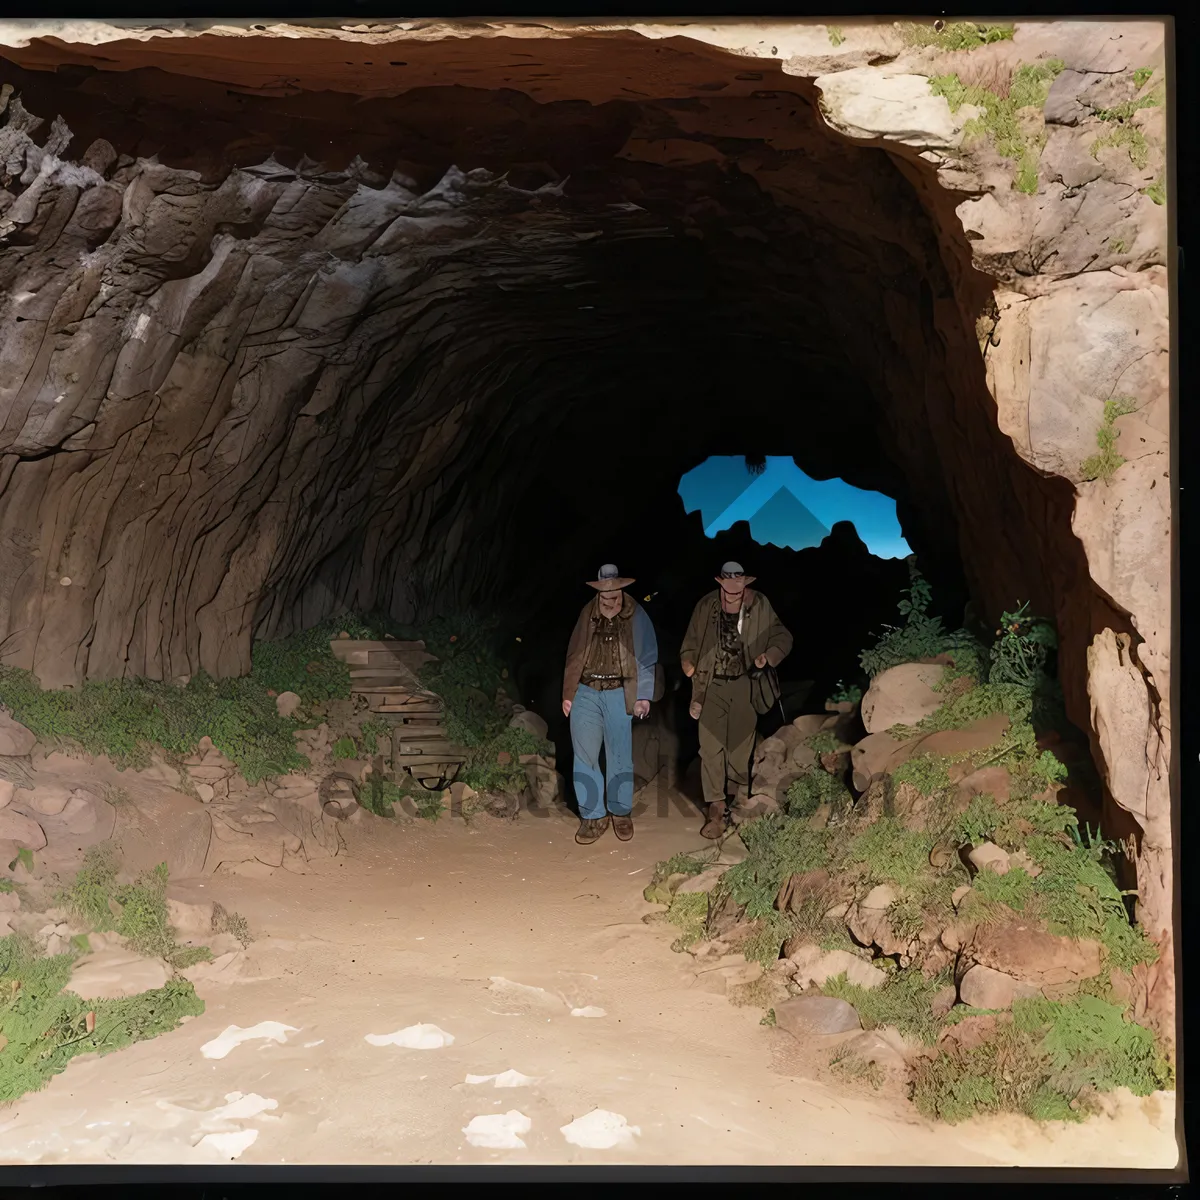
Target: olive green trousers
(728, 724)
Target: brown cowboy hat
(609, 579)
(731, 571)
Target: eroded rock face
(289, 370)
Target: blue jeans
(599, 718)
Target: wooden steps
(385, 673)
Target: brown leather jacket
(762, 633)
(642, 679)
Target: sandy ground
(410, 927)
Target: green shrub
(344, 748)
(891, 853)
(921, 635)
(682, 864)
(779, 847)
(927, 773)
(137, 911)
(44, 1027)
(815, 786)
(1046, 1063)
(689, 913)
(904, 1000)
(836, 36)
(824, 742)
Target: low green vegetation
(1105, 464)
(1001, 124)
(921, 636)
(844, 693)
(824, 742)
(136, 911)
(836, 36)
(957, 35)
(826, 851)
(128, 720)
(904, 1000)
(43, 1025)
(856, 1069)
(1048, 1060)
(1157, 191)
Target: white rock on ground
(806, 1016)
(414, 1037)
(498, 1131)
(234, 1035)
(228, 1145)
(815, 966)
(506, 1079)
(287, 703)
(600, 1130)
(989, 857)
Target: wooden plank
(430, 760)
(348, 649)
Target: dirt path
(409, 927)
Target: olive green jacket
(762, 633)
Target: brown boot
(623, 827)
(714, 827)
(590, 831)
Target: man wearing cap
(733, 637)
(609, 678)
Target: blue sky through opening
(787, 508)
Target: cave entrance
(307, 326)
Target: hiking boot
(590, 831)
(714, 827)
(623, 827)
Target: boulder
(901, 695)
(814, 966)
(810, 724)
(79, 815)
(190, 919)
(1018, 859)
(530, 722)
(879, 897)
(979, 735)
(206, 793)
(702, 883)
(162, 772)
(883, 1048)
(943, 1001)
(733, 851)
(546, 785)
(971, 1031)
(7, 790)
(959, 894)
(15, 740)
(990, 857)
(112, 974)
(988, 781)
(24, 831)
(1031, 954)
(49, 799)
(816, 1016)
(982, 987)
(799, 889)
(287, 704)
(757, 806)
(878, 754)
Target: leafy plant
(857, 1069)
(890, 853)
(927, 773)
(430, 806)
(824, 742)
(344, 748)
(137, 911)
(846, 694)
(904, 1000)
(232, 923)
(1046, 1062)
(1157, 191)
(681, 864)
(689, 913)
(814, 787)
(1142, 76)
(1106, 463)
(921, 635)
(1022, 648)
(836, 36)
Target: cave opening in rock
(327, 329)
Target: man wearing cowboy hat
(609, 678)
(733, 643)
